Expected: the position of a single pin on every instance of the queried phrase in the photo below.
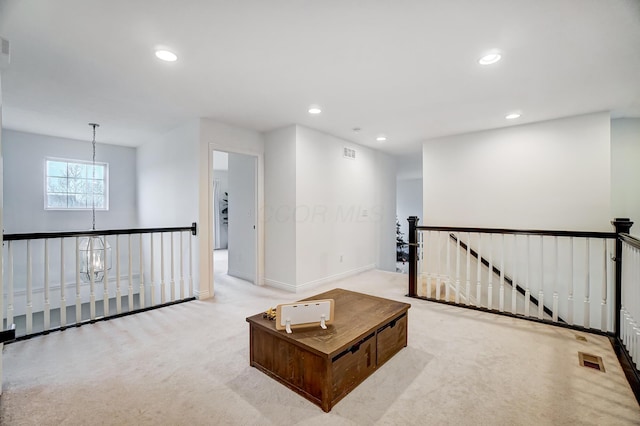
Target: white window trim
(71, 160)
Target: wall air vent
(349, 153)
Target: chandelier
(95, 252)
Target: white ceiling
(404, 68)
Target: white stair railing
(39, 273)
(630, 301)
(549, 273)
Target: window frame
(105, 165)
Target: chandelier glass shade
(94, 252)
(95, 258)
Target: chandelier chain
(93, 180)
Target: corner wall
(341, 210)
(280, 203)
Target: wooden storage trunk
(325, 365)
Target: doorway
(235, 215)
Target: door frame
(259, 206)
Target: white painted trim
(280, 285)
(292, 288)
(201, 295)
(315, 283)
(259, 268)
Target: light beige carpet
(188, 365)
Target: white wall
(548, 175)
(385, 221)
(214, 135)
(409, 167)
(24, 162)
(344, 211)
(168, 179)
(242, 216)
(625, 170)
(409, 195)
(280, 202)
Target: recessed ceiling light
(314, 109)
(381, 138)
(165, 55)
(512, 116)
(490, 58)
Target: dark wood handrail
(582, 234)
(632, 241)
(66, 234)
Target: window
(75, 185)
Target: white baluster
(142, 304)
(479, 273)
(490, 286)
(105, 280)
(130, 295)
(555, 282)
(624, 332)
(63, 300)
(172, 282)
(162, 283)
(92, 295)
(501, 303)
(541, 291)
(190, 266)
(603, 311)
(587, 280)
(447, 278)
(421, 269)
(468, 284)
(181, 267)
(29, 311)
(429, 263)
(570, 298)
(47, 301)
(514, 283)
(10, 307)
(527, 290)
(636, 350)
(118, 275)
(439, 265)
(153, 282)
(78, 299)
(457, 268)
(421, 265)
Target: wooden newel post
(413, 256)
(623, 226)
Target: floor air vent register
(591, 361)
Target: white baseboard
(292, 288)
(201, 295)
(280, 285)
(315, 283)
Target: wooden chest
(325, 365)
